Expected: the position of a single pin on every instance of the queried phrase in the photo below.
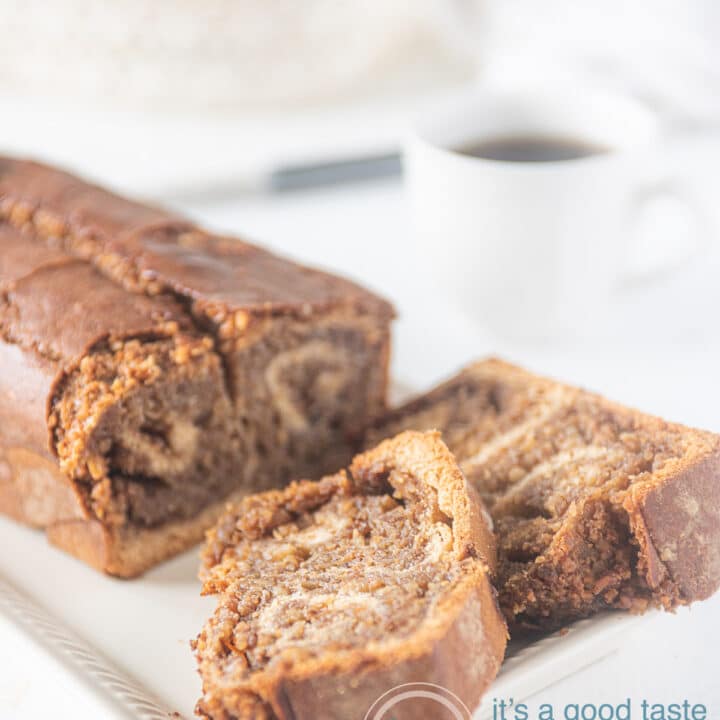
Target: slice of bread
(333, 592)
(595, 505)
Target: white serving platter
(128, 641)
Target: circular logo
(409, 695)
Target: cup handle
(644, 262)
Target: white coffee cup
(536, 250)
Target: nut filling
(145, 428)
(349, 567)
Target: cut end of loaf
(361, 575)
(144, 427)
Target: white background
(664, 50)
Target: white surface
(228, 55)
(664, 50)
(363, 231)
(160, 153)
(530, 668)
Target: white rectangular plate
(129, 640)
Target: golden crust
(128, 551)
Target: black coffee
(538, 148)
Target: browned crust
(677, 523)
(151, 250)
(461, 648)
